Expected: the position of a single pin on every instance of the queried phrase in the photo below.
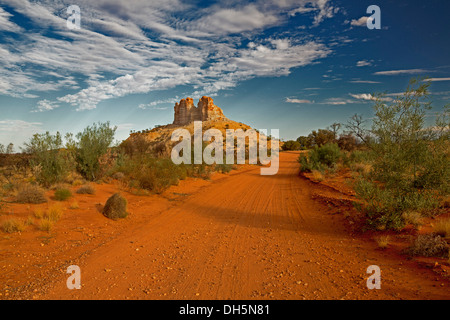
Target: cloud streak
(131, 47)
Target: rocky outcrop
(186, 112)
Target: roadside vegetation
(400, 164)
(51, 167)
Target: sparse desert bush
(86, 189)
(429, 245)
(115, 207)
(118, 176)
(31, 194)
(442, 228)
(62, 194)
(13, 225)
(45, 225)
(146, 172)
(223, 168)
(159, 177)
(382, 241)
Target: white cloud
(45, 105)
(338, 101)
(289, 100)
(154, 104)
(368, 96)
(397, 72)
(112, 55)
(437, 79)
(226, 21)
(363, 81)
(363, 63)
(361, 22)
(6, 24)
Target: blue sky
(293, 65)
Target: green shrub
(62, 194)
(410, 164)
(385, 207)
(115, 207)
(146, 172)
(159, 176)
(320, 158)
(92, 144)
(291, 145)
(360, 156)
(31, 194)
(51, 163)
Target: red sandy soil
(237, 236)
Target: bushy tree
(92, 144)
(321, 137)
(291, 145)
(51, 162)
(410, 162)
(347, 142)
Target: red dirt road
(245, 236)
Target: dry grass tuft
(46, 225)
(382, 241)
(442, 228)
(362, 168)
(74, 205)
(54, 213)
(13, 225)
(317, 175)
(412, 217)
(38, 213)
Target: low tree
(50, 161)
(321, 137)
(291, 145)
(411, 162)
(92, 144)
(347, 142)
(305, 142)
